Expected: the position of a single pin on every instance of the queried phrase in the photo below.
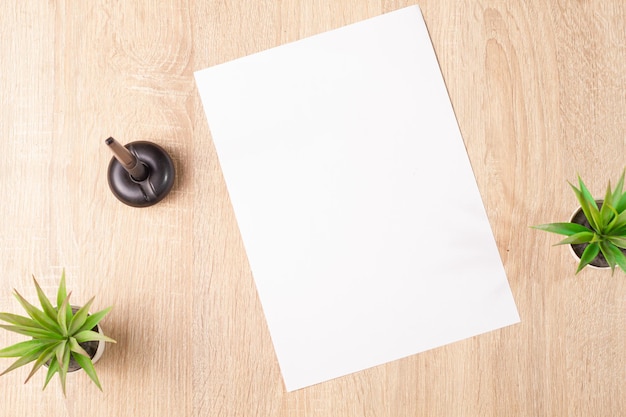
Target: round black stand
(151, 190)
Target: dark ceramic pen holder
(142, 178)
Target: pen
(135, 168)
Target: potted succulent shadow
(596, 231)
(63, 338)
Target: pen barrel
(135, 168)
(138, 172)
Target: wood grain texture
(538, 90)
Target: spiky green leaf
(93, 319)
(45, 302)
(567, 229)
(586, 194)
(618, 230)
(613, 255)
(76, 348)
(88, 336)
(618, 241)
(86, 363)
(608, 255)
(62, 295)
(608, 197)
(64, 366)
(60, 352)
(22, 348)
(589, 208)
(620, 203)
(23, 360)
(34, 332)
(620, 258)
(79, 318)
(62, 315)
(39, 316)
(607, 213)
(618, 222)
(589, 254)
(578, 238)
(18, 320)
(45, 356)
(597, 219)
(62, 291)
(53, 368)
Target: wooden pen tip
(109, 141)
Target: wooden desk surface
(539, 92)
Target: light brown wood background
(539, 90)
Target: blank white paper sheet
(357, 205)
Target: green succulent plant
(606, 233)
(56, 335)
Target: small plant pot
(95, 348)
(599, 261)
